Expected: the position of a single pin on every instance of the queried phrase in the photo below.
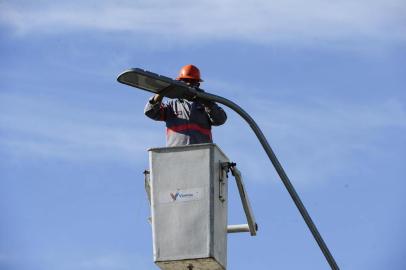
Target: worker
(187, 121)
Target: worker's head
(190, 74)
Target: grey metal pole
(279, 170)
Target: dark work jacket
(187, 122)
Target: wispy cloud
(44, 128)
(323, 135)
(328, 137)
(253, 21)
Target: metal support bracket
(252, 226)
(222, 181)
(147, 184)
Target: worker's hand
(157, 98)
(206, 103)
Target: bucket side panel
(180, 204)
(220, 213)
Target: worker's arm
(154, 108)
(216, 114)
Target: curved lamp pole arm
(279, 170)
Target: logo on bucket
(174, 196)
(181, 195)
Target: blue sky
(324, 80)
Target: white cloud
(328, 137)
(322, 135)
(312, 21)
(44, 128)
(315, 139)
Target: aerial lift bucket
(189, 199)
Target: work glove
(205, 102)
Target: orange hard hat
(189, 72)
